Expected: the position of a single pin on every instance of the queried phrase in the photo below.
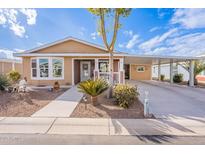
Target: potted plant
(93, 88)
(56, 86)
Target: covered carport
(159, 60)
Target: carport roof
(154, 59)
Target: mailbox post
(146, 104)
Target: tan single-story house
(71, 60)
(7, 65)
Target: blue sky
(145, 31)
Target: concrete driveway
(168, 100)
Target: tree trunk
(110, 75)
(94, 100)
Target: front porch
(94, 68)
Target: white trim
(162, 57)
(50, 69)
(73, 83)
(106, 54)
(96, 68)
(121, 64)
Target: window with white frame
(57, 65)
(103, 65)
(140, 68)
(47, 68)
(43, 66)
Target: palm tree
(93, 88)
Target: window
(140, 69)
(47, 68)
(43, 66)
(57, 65)
(103, 66)
(34, 67)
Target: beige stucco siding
(18, 67)
(6, 67)
(67, 73)
(70, 47)
(135, 75)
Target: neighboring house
(177, 69)
(7, 65)
(165, 70)
(70, 61)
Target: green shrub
(125, 94)
(178, 78)
(162, 77)
(14, 76)
(93, 88)
(4, 82)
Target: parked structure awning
(154, 59)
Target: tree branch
(184, 66)
(102, 28)
(115, 30)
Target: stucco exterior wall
(71, 47)
(67, 73)
(6, 67)
(18, 67)
(135, 75)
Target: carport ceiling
(154, 60)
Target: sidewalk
(86, 126)
(62, 106)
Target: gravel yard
(107, 108)
(25, 104)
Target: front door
(84, 70)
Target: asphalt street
(39, 139)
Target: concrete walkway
(108, 127)
(62, 106)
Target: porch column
(191, 73)
(96, 70)
(159, 70)
(121, 71)
(13, 66)
(171, 71)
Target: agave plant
(4, 82)
(93, 88)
